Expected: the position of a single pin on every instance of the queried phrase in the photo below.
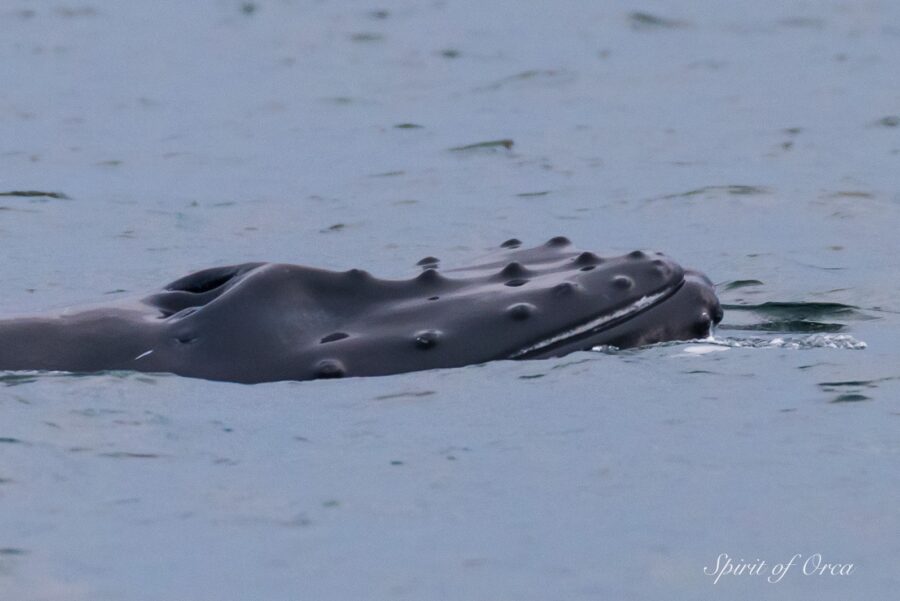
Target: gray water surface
(758, 142)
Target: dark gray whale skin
(261, 322)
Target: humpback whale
(262, 322)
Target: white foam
(714, 343)
(812, 341)
(703, 349)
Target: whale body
(261, 322)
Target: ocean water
(758, 142)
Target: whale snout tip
(708, 292)
(717, 312)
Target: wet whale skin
(260, 322)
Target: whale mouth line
(598, 324)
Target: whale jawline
(596, 325)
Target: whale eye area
(587, 268)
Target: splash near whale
(262, 322)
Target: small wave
(811, 341)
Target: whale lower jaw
(596, 325)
